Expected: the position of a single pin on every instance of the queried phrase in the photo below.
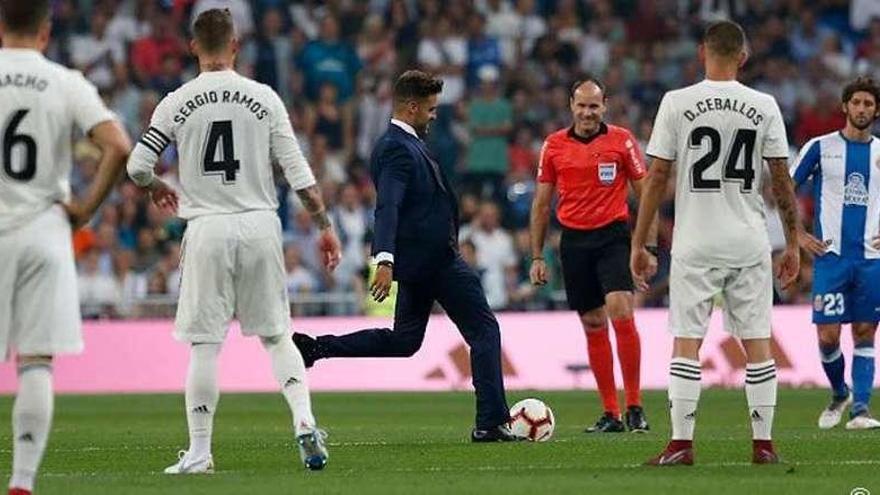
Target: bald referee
(590, 164)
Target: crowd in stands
(506, 65)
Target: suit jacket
(416, 208)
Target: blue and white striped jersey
(846, 190)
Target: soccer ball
(532, 419)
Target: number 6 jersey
(719, 133)
(40, 104)
(229, 131)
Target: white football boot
(832, 414)
(185, 465)
(863, 421)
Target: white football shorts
(39, 303)
(232, 266)
(746, 293)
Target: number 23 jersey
(719, 133)
(41, 103)
(229, 131)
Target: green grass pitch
(394, 443)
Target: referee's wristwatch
(653, 250)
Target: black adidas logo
(26, 437)
(692, 416)
(203, 409)
(756, 416)
(291, 381)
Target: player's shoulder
(558, 137)
(824, 138)
(683, 93)
(756, 93)
(619, 133)
(253, 85)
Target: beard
(422, 130)
(858, 125)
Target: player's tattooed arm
(311, 200)
(783, 192)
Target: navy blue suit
(417, 222)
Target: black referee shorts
(594, 263)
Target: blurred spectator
(807, 37)
(861, 12)
(299, 279)
(131, 20)
(269, 54)
(495, 253)
(169, 77)
(820, 118)
(374, 114)
(490, 120)
(352, 220)
(483, 51)
(97, 291)
(329, 59)
(149, 52)
(332, 121)
(130, 287)
(100, 58)
(444, 52)
(376, 48)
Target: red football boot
(677, 453)
(763, 452)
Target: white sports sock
(290, 371)
(684, 394)
(31, 422)
(202, 395)
(761, 396)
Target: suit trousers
(458, 290)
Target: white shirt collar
(406, 127)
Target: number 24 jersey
(719, 133)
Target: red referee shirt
(591, 174)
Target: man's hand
(331, 250)
(163, 196)
(789, 266)
(76, 213)
(811, 244)
(643, 266)
(538, 272)
(381, 285)
(875, 242)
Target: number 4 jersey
(229, 131)
(40, 104)
(719, 133)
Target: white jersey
(719, 133)
(229, 131)
(40, 104)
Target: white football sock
(684, 394)
(31, 422)
(290, 371)
(202, 395)
(761, 396)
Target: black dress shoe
(635, 419)
(500, 433)
(308, 347)
(608, 423)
